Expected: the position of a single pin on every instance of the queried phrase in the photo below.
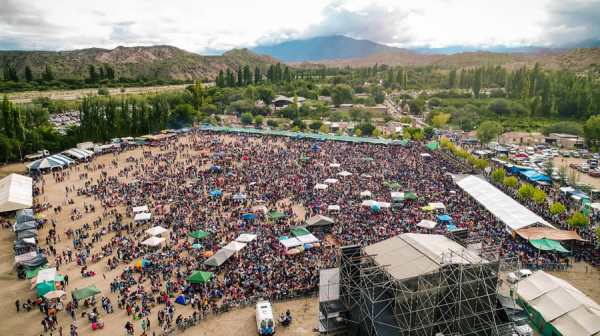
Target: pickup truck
(40, 154)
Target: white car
(513, 277)
(522, 328)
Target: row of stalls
(62, 160)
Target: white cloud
(201, 26)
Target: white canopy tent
(502, 206)
(427, 224)
(334, 207)
(320, 186)
(365, 193)
(438, 205)
(156, 230)
(142, 216)
(344, 173)
(368, 203)
(566, 189)
(78, 153)
(425, 155)
(334, 165)
(140, 208)
(290, 243)
(383, 204)
(317, 220)
(307, 239)
(246, 238)
(331, 180)
(235, 246)
(397, 194)
(16, 192)
(153, 241)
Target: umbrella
(199, 234)
(398, 205)
(451, 227)
(304, 158)
(208, 254)
(427, 208)
(410, 195)
(249, 216)
(245, 158)
(283, 238)
(367, 159)
(375, 207)
(214, 168)
(298, 137)
(40, 216)
(216, 192)
(386, 183)
(308, 246)
(196, 246)
(276, 215)
(300, 248)
(220, 154)
(395, 186)
(293, 251)
(141, 263)
(54, 294)
(315, 147)
(239, 196)
(316, 244)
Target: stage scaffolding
(459, 298)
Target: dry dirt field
(239, 322)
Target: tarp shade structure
(78, 153)
(405, 142)
(200, 277)
(142, 216)
(23, 243)
(397, 194)
(16, 192)
(25, 226)
(583, 321)
(411, 195)
(578, 193)
(219, 258)
(276, 215)
(427, 224)
(566, 189)
(46, 281)
(300, 232)
(234, 246)
(438, 205)
(86, 292)
(444, 218)
(24, 215)
(290, 243)
(307, 239)
(199, 234)
(321, 186)
(432, 145)
(319, 220)
(141, 208)
(548, 245)
(25, 256)
(34, 272)
(514, 215)
(519, 169)
(532, 175)
(333, 207)
(31, 233)
(344, 173)
(153, 241)
(245, 238)
(154, 231)
(365, 193)
(531, 233)
(368, 203)
(51, 162)
(331, 180)
(334, 165)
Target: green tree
(481, 164)
(257, 75)
(366, 128)
(557, 208)
(247, 118)
(47, 75)
(376, 133)
(578, 220)
(539, 196)
(183, 116)
(272, 123)
(591, 129)
(511, 181)
(395, 136)
(198, 93)
(477, 83)
(498, 174)
(296, 129)
(339, 132)
(499, 107)
(265, 94)
(418, 136)
(386, 135)
(28, 74)
(324, 129)
(566, 127)
(488, 131)
(441, 119)
(428, 130)
(358, 132)
(7, 117)
(315, 125)
(258, 120)
(452, 79)
(342, 94)
(103, 91)
(526, 191)
(228, 124)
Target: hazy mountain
(324, 48)
(155, 62)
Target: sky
(207, 27)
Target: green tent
(367, 159)
(300, 232)
(85, 292)
(395, 186)
(199, 234)
(548, 245)
(410, 195)
(304, 158)
(276, 215)
(33, 273)
(386, 183)
(405, 142)
(200, 277)
(432, 145)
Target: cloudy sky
(207, 26)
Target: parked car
(575, 165)
(521, 328)
(566, 154)
(514, 277)
(523, 155)
(596, 156)
(594, 173)
(576, 154)
(555, 176)
(584, 168)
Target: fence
(546, 267)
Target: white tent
(383, 204)
(153, 241)
(566, 189)
(334, 165)
(427, 224)
(320, 186)
(142, 216)
(290, 242)
(397, 194)
(16, 192)
(156, 230)
(425, 155)
(333, 207)
(438, 205)
(317, 220)
(245, 238)
(344, 173)
(331, 180)
(141, 208)
(307, 239)
(502, 206)
(45, 275)
(365, 193)
(78, 153)
(580, 321)
(235, 246)
(368, 203)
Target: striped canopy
(51, 162)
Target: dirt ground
(583, 177)
(237, 322)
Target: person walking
(17, 303)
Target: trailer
(265, 322)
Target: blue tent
(398, 205)
(51, 162)
(578, 193)
(215, 192)
(214, 168)
(517, 169)
(444, 218)
(320, 140)
(298, 137)
(286, 153)
(451, 227)
(220, 154)
(181, 299)
(375, 207)
(249, 216)
(535, 176)
(315, 147)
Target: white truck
(265, 321)
(40, 154)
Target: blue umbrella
(220, 154)
(398, 205)
(320, 139)
(298, 137)
(315, 147)
(216, 192)
(451, 227)
(239, 196)
(375, 207)
(286, 153)
(196, 246)
(308, 246)
(283, 238)
(249, 216)
(214, 168)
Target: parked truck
(40, 154)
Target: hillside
(156, 62)
(579, 59)
(325, 48)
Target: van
(265, 322)
(530, 151)
(593, 163)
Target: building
(361, 95)
(417, 285)
(345, 107)
(281, 101)
(521, 138)
(567, 141)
